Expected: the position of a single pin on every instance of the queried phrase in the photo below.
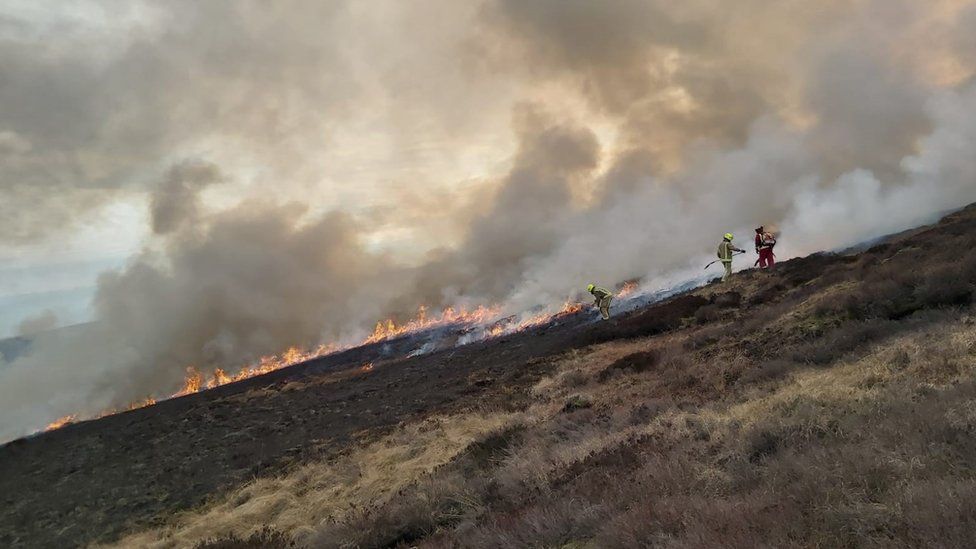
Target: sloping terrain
(829, 402)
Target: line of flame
(195, 381)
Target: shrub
(768, 370)
(491, 449)
(944, 286)
(727, 300)
(575, 378)
(843, 340)
(413, 515)
(554, 523)
(635, 362)
(900, 360)
(762, 443)
(647, 411)
(577, 402)
(705, 337)
(708, 313)
(767, 293)
(265, 538)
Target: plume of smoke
(250, 281)
(526, 216)
(227, 289)
(825, 124)
(859, 206)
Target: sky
(210, 182)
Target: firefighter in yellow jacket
(725, 251)
(603, 298)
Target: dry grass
(794, 468)
(297, 502)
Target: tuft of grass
(636, 362)
(708, 313)
(265, 538)
(577, 402)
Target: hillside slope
(830, 402)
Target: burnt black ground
(96, 480)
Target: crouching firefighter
(725, 251)
(603, 298)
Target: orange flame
(384, 330)
(219, 378)
(388, 329)
(148, 401)
(192, 382)
(61, 422)
(628, 289)
(568, 308)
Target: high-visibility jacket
(725, 250)
(601, 293)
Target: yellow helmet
(728, 236)
(589, 287)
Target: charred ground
(811, 405)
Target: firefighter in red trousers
(764, 247)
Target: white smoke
(859, 206)
(773, 180)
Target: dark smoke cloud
(526, 214)
(660, 68)
(176, 200)
(243, 283)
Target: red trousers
(766, 258)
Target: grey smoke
(45, 321)
(525, 216)
(176, 202)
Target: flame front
(219, 378)
(148, 401)
(388, 329)
(628, 289)
(487, 317)
(192, 382)
(61, 422)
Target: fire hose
(717, 260)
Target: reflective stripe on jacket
(725, 250)
(601, 293)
